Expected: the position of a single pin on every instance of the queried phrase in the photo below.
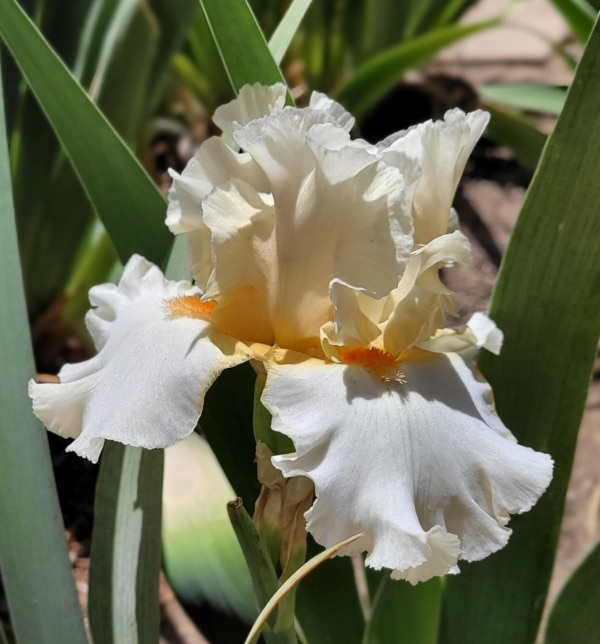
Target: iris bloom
(318, 257)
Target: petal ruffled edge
(146, 385)
(414, 467)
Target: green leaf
(580, 16)
(174, 19)
(241, 44)
(227, 424)
(532, 97)
(282, 36)
(36, 573)
(262, 571)
(120, 88)
(125, 554)
(379, 74)
(130, 206)
(574, 617)
(401, 612)
(122, 72)
(516, 132)
(200, 66)
(327, 603)
(201, 555)
(547, 302)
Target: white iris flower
(319, 256)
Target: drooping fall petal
(424, 468)
(156, 360)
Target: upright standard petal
(213, 164)
(442, 149)
(351, 223)
(408, 315)
(158, 355)
(252, 102)
(424, 468)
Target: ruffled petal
(344, 119)
(213, 164)
(424, 469)
(351, 222)
(252, 102)
(478, 333)
(242, 223)
(422, 301)
(408, 315)
(442, 149)
(146, 385)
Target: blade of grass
(236, 33)
(547, 301)
(122, 71)
(174, 19)
(580, 16)
(36, 573)
(293, 581)
(379, 74)
(125, 555)
(516, 132)
(533, 97)
(130, 206)
(574, 617)
(283, 34)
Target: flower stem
(376, 607)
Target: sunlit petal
(146, 385)
(442, 149)
(252, 102)
(478, 333)
(357, 229)
(425, 469)
(213, 164)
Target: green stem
(376, 607)
(261, 423)
(262, 571)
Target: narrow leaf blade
(533, 97)
(130, 206)
(227, 21)
(36, 573)
(575, 617)
(516, 132)
(547, 301)
(282, 36)
(379, 74)
(125, 557)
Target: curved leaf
(547, 302)
(532, 97)
(129, 204)
(580, 16)
(247, 58)
(379, 74)
(575, 617)
(36, 573)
